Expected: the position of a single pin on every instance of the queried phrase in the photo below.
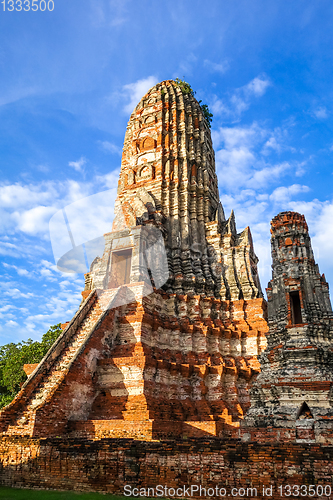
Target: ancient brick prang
(294, 388)
(168, 179)
(166, 340)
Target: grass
(19, 494)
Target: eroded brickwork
(109, 465)
(168, 179)
(293, 393)
(130, 371)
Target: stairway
(24, 424)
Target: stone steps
(25, 421)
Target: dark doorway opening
(304, 412)
(295, 304)
(120, 268)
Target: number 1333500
(27, 5)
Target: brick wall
(108, 465)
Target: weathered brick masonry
(293, 394)
(166, 340)
(108, 465)
(168, 347)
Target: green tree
(207, 114)
(14, 356)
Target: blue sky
(70, 79)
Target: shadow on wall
(113, 375)
(109, 464)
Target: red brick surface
(108, 465)
(29, 368)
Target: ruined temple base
(108, 465)
(148, 429)
(300, 431)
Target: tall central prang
(168, 177)
(165, 343)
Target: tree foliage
(187, 89)
(14, 356)
(207, 114)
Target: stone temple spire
(168, 176)
(166, 339)
(294, 388)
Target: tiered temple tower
(166, 340)
(292, 397)
(168, 179)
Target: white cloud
(322, 239)
(48, 265)
(237, 162)
(30, 222)
(110, 147)
(18, 195)
(319, 217)
(73, 191)
(277, 141)
(46, 273)
(250, 210)
(221, 67)
(256, 183)
(242, 158)
(238, 105)
(133, 92)
(50, 270)
(257, 86)
(9, 249)
(110, 181)
(271, 144)
(321, 113)
(311, 209)
(234, 137)
(79, 164)
(6, 308)
(268, 174)
(15, 293)
(283, 194)
(220, 107)
(11, 323)
(111, 13)
(59, 312)
(28, 208)
(34, 221)
(20, 271)
(240, 100)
